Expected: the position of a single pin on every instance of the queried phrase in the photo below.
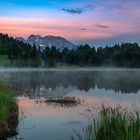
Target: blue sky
(97, 22)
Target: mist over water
(119, 80)
(93, 87)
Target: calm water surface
(94, 87)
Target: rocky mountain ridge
(47, 41)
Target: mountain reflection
(62, 82)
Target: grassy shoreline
(5, 100)
(8, 112)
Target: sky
(97, 22)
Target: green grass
(64, 65)
(5, 100)
(4, 61)
(113, 124)
(3, 57)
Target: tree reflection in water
(58, 83)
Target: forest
(20, 54)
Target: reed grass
(5, 100)
(113, 124)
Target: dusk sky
(97, 22)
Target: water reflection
(62, 82)
(41, 120)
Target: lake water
(94, 87)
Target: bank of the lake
(8, 112)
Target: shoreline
(28, 69)
(9, 124)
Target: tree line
(119, 55)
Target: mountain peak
(49, 41)
(34, 36)
(20, 39)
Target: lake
(93, 87)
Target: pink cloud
(67, 28)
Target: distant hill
(48, 41)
